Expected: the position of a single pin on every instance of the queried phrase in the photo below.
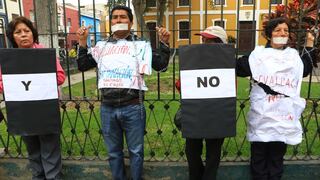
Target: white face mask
(119, 27)
(280, 40)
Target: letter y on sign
(26, 85)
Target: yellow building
(202, 13)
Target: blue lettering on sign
(117, 73)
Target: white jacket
(276, 118)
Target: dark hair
(272, 24)
(119, 7)
(213, 40)
(12, 26)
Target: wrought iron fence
(81, 136)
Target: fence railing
(81, 136)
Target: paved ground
(314, 79)
(77, 77)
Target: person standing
(122, 60)
(44, 151)
(198, 170)
(276, 106)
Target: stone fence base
(80, 169)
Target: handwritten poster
(123, 64)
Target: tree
(161, 8)
(112, 3)
(47, 27)
(302, 18)
(140, 8)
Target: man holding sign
(122, 60)
(208, 100)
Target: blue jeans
(130, 121)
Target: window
(1, 6)
(276, 1)
(31, 15)
(184, 30)
(1, 26)
(183, 2)
(59, 19)
(2, 36)
(69, 22)
(247, 1)
(61, 43)
(219, 23)
(218, 2)
(153, 34)
(74, 43)
(151, 3)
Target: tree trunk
(46, 16)
(139, 9)
(162, 6)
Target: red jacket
(178, 85)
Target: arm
(243, 67)
(60, 73)
(85, 61)
(160, 59)
(178, 85)
(308, 55)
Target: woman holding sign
(44, 149)
(276, 106)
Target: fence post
(47, 22)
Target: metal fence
(82, 136)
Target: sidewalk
(313, 79)
(76, 78)
(16, 169)
(315, 75)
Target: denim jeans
(129, 121)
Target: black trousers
(267, 160)
(44, 156)
(197, 170)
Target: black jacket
(117, 96)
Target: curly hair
(272, 24)
(12, 26)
